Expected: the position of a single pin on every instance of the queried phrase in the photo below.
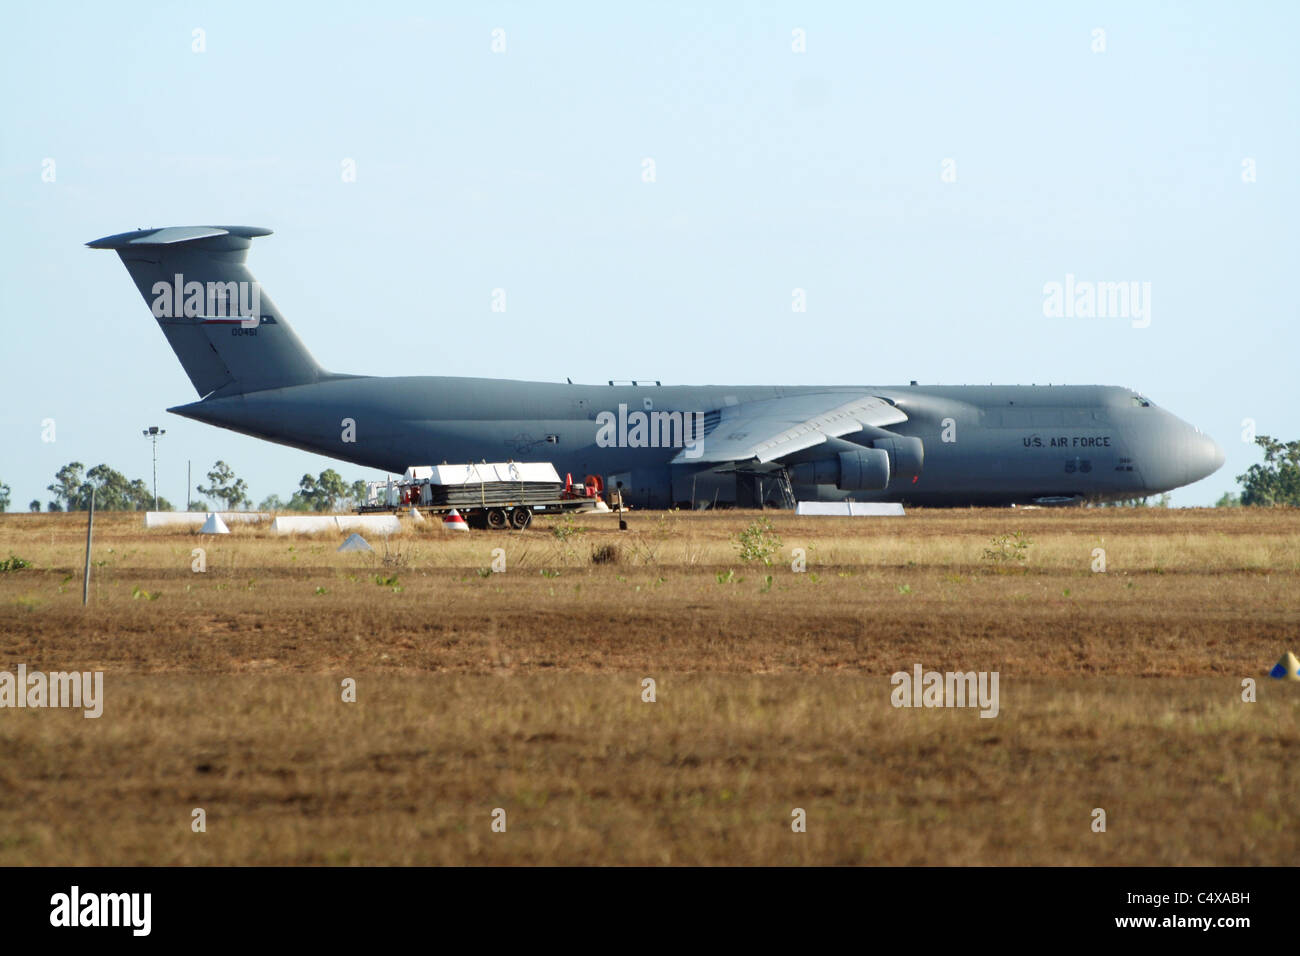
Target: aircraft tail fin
(229, 336)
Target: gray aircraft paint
(1012, 444)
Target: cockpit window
(1140, 402)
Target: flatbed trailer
(510, 515)
(495, 496)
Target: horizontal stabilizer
(174, 234)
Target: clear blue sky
(775, 170)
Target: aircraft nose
(1204, 458)
(1180, 454)
(1198, 455)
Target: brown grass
(522, 690)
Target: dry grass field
(522, 690)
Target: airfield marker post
(90, 527)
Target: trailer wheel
(497, 519)
(521, 518)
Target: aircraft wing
(773, 428)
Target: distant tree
(224, 485)
(113, 491)
(1228, 500)
(1277, 480)
(67, 488)
(304, 499)
(4, 496)
(332, 489)
(34, 505)
(357, 492)
(323, 493)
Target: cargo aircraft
(661, 445)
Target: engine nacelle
(865, 470)
(906, 456)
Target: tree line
(113, 491)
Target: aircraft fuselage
(983, 445)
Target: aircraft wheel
(497, 519)
(521, 518)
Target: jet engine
(906, 456)
(867, 460)
(866, 469)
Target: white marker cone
(355, 542)
(214, 525)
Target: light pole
(153, 433)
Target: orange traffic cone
(454, 522)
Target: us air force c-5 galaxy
(663, 445)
